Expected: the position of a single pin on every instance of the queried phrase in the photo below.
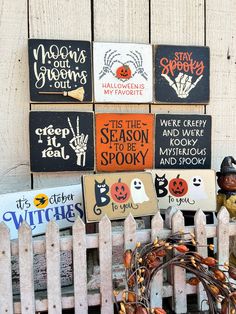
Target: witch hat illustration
(227, 165)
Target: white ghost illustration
(197, 188)
(138, 191)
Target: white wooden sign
(185, 189)
(122, 72)
(38, 207)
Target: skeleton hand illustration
(109, 60)
(182, 84)
(78, 143)
(137, 61)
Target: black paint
(66, 64)
(160, 185)
(181, 144)
(164, 92)
(56, 141)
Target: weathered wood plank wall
(195, 22)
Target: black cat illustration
(102, 199)
(160, 185)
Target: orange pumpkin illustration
(178, 187)
(120, 192)
(123, 72)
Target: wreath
(142, 264)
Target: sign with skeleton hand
(61, 141)
(122, 72)
(182, 74)
(78, 143)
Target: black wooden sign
(182, 74)
(60, 70)
(61, 141)
(183, 141)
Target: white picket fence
(79, 242)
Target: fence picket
(130, 232)
(6, 302)
(168, 224)
(157, 284)
(80, 242)
(200, 233)
(53, 268)
(222, 234)
(105, 257)
(179, 274)
(80, 267)
(168, 216)
(26, 269)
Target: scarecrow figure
(226, 180)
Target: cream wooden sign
(119, 194)
(185, 189)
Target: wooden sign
(183, 141)
(182, 74)
(122, 72)
(124, 141)
(61, 141)
(185, 189)
(119, 194)
(60, 70)
(38, 207)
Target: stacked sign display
(64, 141)
(60, 71)
(177, 146)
